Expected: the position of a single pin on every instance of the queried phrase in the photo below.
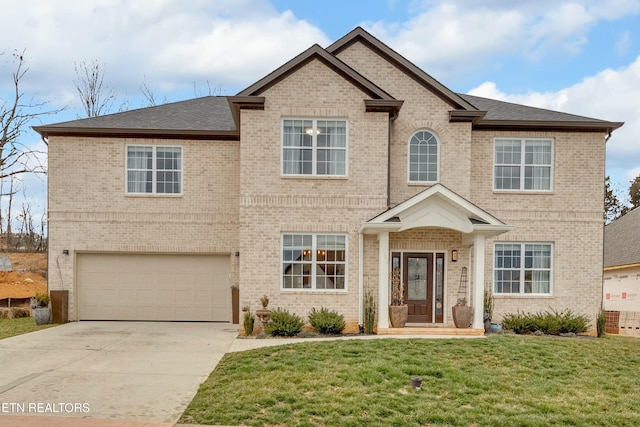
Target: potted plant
(41, 310)
(398, 310)
(461, 312)
(490, 327)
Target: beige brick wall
(271, 204)
(422, 110)
(90, 212)
(569, 217)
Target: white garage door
(153, 287)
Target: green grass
(23, 325)
(501, 380)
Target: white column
(477, 294)
(383, 280)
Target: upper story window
(314, 147)
(154, 169)
(522, 268)
(423, 157)
(523, 164)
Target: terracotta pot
(398, 315)
(462, 316)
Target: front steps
(431, 331)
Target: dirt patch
(29, 275)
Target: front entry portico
(459, 225)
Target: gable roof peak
(317, 52)
(359, 34)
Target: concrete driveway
(145, 371)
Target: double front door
(423, 282)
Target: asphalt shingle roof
(209, 113)
(212, 113)
(622, 240)
(500, 110)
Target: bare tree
(15, 114)
(613, 208)
(634, 192)
(208, 92)
(149, 95)
(96, 98)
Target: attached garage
(153, 287)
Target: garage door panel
(153, 287)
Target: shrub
(248, 322)
(369, 312)
(548, 322)
(42, 299)
(601, 322)
(326, 322)
(284, 324)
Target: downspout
(360, 279)
(392, 117)
(606, 139)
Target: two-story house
(342, 168)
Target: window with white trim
(154, 169)
(314, 147)
(423, 157)
(522, 164)
(522, 268)
(314, 261)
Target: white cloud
(609, 95)
(169, 43)
(240, 51)
(449, 36)
(442, 37)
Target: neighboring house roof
(205, 117)
(622, 240)
(214, 117)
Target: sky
(580, 56)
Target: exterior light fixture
(454, 255)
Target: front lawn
(23, 325)
(501, 380)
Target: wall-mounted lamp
(65, 252)
(454, 255)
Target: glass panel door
(418, 284)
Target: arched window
(423, 157)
